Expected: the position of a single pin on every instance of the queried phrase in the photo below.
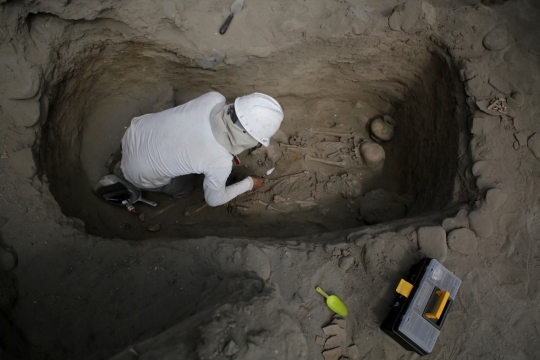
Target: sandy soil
(81, 279)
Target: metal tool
(120, 192)
(269, 172)
(236, 7)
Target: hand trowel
(236, 7)
(334, 303)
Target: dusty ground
(81, 279)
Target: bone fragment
(341, 163)
(332, 133)
(305, 172)
(193, 209)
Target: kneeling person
(164, 151)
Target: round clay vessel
(383, 128)
(372, 154)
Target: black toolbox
(418, 312)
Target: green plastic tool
(333, 303)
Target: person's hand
(258, 182)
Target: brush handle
(225, 25)
(321, 291)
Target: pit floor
(317, 198)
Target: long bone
(305, 172)
(331, 133)
(343, 163)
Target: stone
(459, 221)
(142, 217)
(332, 342)
(24, 113)
(477, 87)
(480, 167)
(495, 198)
(334, 329)
(462, 240)
(346, 262)
(22, 163)
(432, 242)
(339, 321)
(319, 340)
(352, 352)
(154, 228)
(18, 78)
(430, 12)
(333, 354)
(496, 39)
(230, 349)
(534, 144)
(405, 16)
(480, 224)
(7, 260)
(361, 241)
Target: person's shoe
(111, 163)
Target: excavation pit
(330, 92)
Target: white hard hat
(260, 115)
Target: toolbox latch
(404, 288)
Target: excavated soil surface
(330, 93)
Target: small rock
(346, 262)
(480, 224)
(142, 217)
(461, 220)
(477, 87)
(336, 253)
(352, 352)
(319, 340)
(432, 242)
(534, 144)
(332, 342)
(333, 354)
(334, 329)
(154, 228)
(278, 199)
(230, 349)
(7, 260)
(339, 321)
(405, 16)
(496, 39)
(361, 241)
(495, 198)
(462, 240)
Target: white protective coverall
(179, 141)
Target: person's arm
(219, 195)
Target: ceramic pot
(382, 129)
(372, 154)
